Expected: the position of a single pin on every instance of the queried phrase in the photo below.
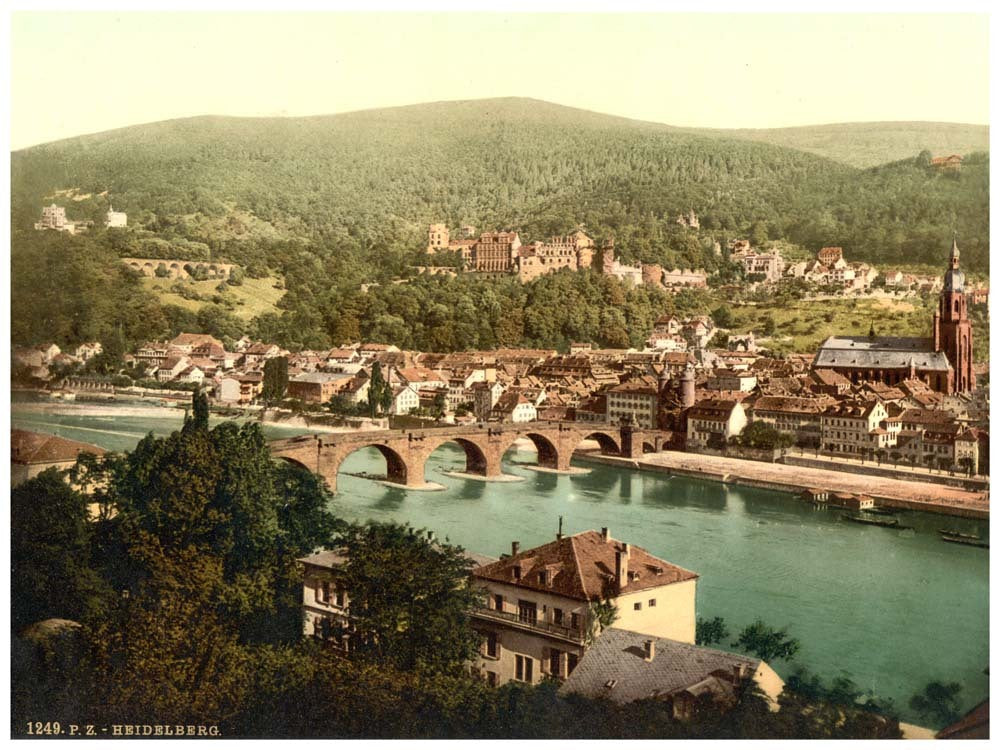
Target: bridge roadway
(406, 451)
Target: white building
(114, 219)
(714, 420)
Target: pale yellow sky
(74, 73)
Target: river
(892, 610)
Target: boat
(882, 511)
(965, 539)
(891, 523)
(958, 534)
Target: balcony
(574, 635)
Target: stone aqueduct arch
(406, 452)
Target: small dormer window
(543, 578)
(517, 572)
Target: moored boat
(959, 534)
(965, 539)
(891, 523)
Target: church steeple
(954, 278)
(952, 327)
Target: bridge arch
(648, 447)
(548, 453)
(396, 468)
(476, 461)
(609, 444)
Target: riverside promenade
(897, 493)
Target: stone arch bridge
(406, 451)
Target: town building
(796, 416)
(624, 666)
(769, 266)
(513, 406)
(943, 361)
(711, 422)
(54, 217)
(635, 402)
(858, 428)
(828, 256)
(316, 387)
(31, 453)
(540, 603)
(115, 219)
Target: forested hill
(369, 182)
(868, 144)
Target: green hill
(331, 202)
(868, 144)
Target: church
(943, 361)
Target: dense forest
(329, 203)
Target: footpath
(888, 492)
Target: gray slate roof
(880, 352)
(619, 655)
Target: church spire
(953, 258)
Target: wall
(673, 616)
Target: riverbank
(893, 493)
(105, 410)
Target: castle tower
(952, 327)
(687, 387)
(437, 238)
(608, 257)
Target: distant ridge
(856, 144)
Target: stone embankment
(888, 492)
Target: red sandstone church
(943, 361)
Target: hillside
(331, 202)
(868, 144)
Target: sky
(75, 73)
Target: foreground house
(31, 453)
(624, 666)
(541, 604)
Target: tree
(51, 573)
(723, 316)
(379, 392)
(199, 410)
(938, 702)
(275, 379)
(410, 598)
(219, 493)
(709, 632)
(600, 616)
(766, 643)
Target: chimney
(559, 533)
(604, 534)
(621, 567)
(737, 673)
(650, 650)
(514, 547)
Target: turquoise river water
(892, 610)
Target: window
(491, 679)
(575, 620)
(527, 611)
(555, 662)
(323, 592)
(637, 606)
(557, 616)
(524, 667)
(340, 598)
(543, 577)
(498, 602)
(652, 602)
(492, 645)
(517, 572)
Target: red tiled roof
(582, 566)
(38, 448)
